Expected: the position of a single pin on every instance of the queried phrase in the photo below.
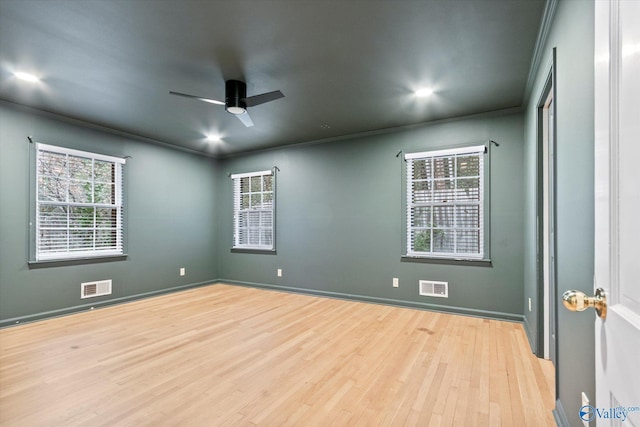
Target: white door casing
(548, 226)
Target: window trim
(235, 247)
(471, 259)
(80, 256)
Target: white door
(617, 212)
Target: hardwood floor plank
(226, 355)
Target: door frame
(548, 304)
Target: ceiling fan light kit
(235, 94)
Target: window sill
(254, 251)
(76, 261)
(450, 261)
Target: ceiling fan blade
(245, 119)
(212, 101)
(252, 101)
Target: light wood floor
(227, 355)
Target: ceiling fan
(236, 100)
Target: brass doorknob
(579, 301)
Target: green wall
(171, 219)
(339, 220)
(572, 35)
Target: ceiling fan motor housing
(235, 93)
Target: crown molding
(543, 34)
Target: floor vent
(430, 288)
(95, 289)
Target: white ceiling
(344, 66)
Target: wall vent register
(431, 288)
(95, 289)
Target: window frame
(88, 253)
(236, 179)
(484, 203)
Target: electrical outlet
(395, 282)
(279, 272)
(529, 304)
(183, 271)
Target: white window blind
(253, 210)
(445, 203)
(79, 209)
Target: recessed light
(425, 91)
(26, 77)
(213, 138)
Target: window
(445, 203)
(253, 210)
(79, 212)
